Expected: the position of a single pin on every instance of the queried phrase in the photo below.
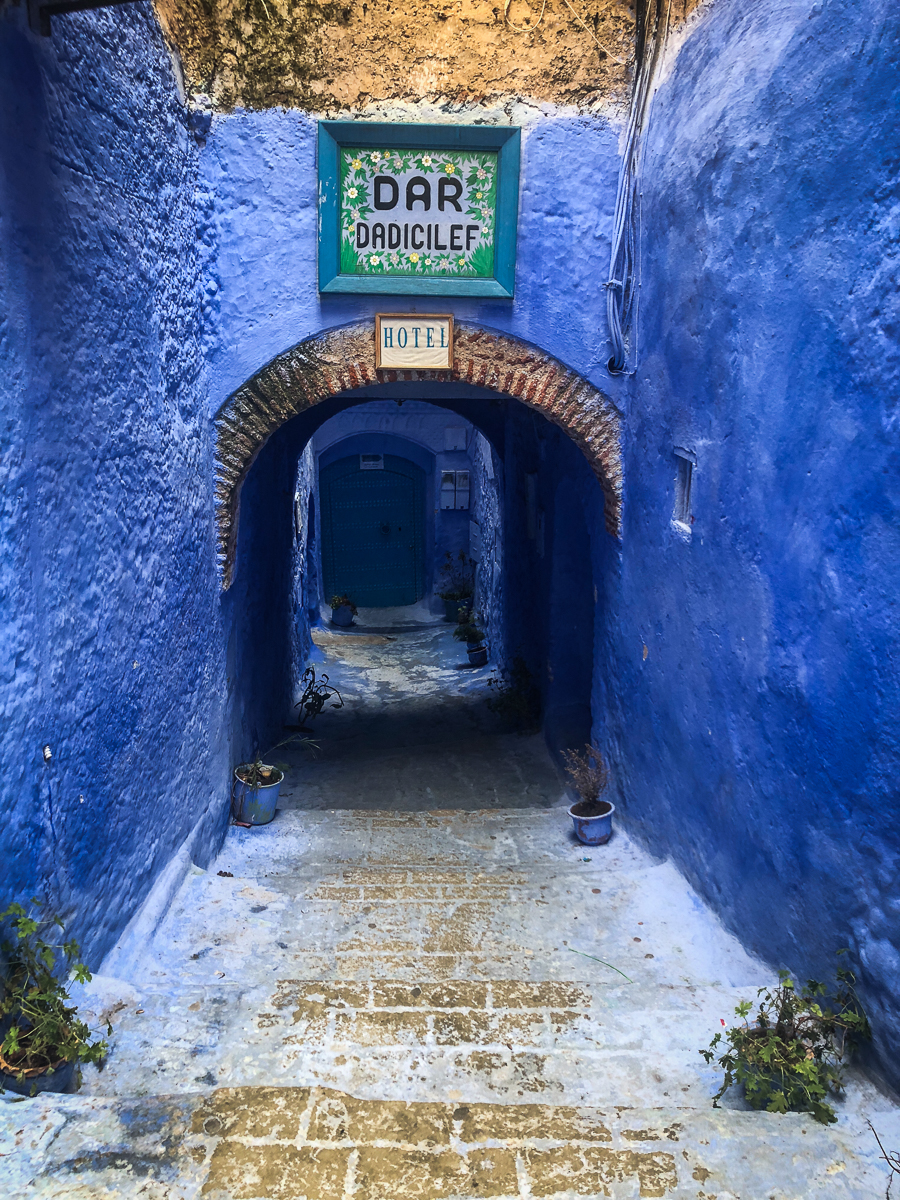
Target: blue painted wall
(259, 180)
(108, 599)
(755, 737)
(758, 742)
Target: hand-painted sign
(426, 209)
(415, 340)
(420, 214)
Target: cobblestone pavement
(426, 1000)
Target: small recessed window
(684, 474)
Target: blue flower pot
(60, 1079)
(592, 831)
(254, 805)
(477, 654)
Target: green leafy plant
(43, 1026)
(589, 777)
(790, 1059)
(467, 628)
(457, 578)
(515, 698)
(343, 602)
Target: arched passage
(340, 361)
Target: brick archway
(340, 360)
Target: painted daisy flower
(427, 262)
(481, 173)
(375, 156)
(449, 168)
(356, 165)
(444, 264)
(354, 214)
(414, 258)
(352, 193)
(426, 160)
(398, 164)
(374, 260)
(462, 262)
(479, 195)
(395, 259)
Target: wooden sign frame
(336, 136)
(380, 366)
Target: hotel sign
(422, 341)
(423, 209)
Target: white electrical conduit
(620, 285)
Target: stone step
(567, 1041)
(315, 1143)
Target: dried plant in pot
(591, 816)
(42, 1041)
(456, 583)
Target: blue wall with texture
(758, 741)
(108, 598)
(744, 675)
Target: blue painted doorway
(373, 531)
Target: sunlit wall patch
(418, 209)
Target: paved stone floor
(415, 984)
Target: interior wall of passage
(421, 431)
(114, 746)
(754, 648)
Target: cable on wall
(652, 28)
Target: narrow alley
(415, 983)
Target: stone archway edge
(343, 359)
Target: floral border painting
(476, 170)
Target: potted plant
(791, 1058)
(591, 816)
(255, 787)
(343, 610)
(457, 582)
(467, 631)
(43, 1042)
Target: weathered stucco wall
(108, 594)
(340, 56)
(758, 740)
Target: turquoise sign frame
(465, 176)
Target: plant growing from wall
(42, 1029)
(515, 697)
(790, 1059)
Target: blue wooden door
(373, 540)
